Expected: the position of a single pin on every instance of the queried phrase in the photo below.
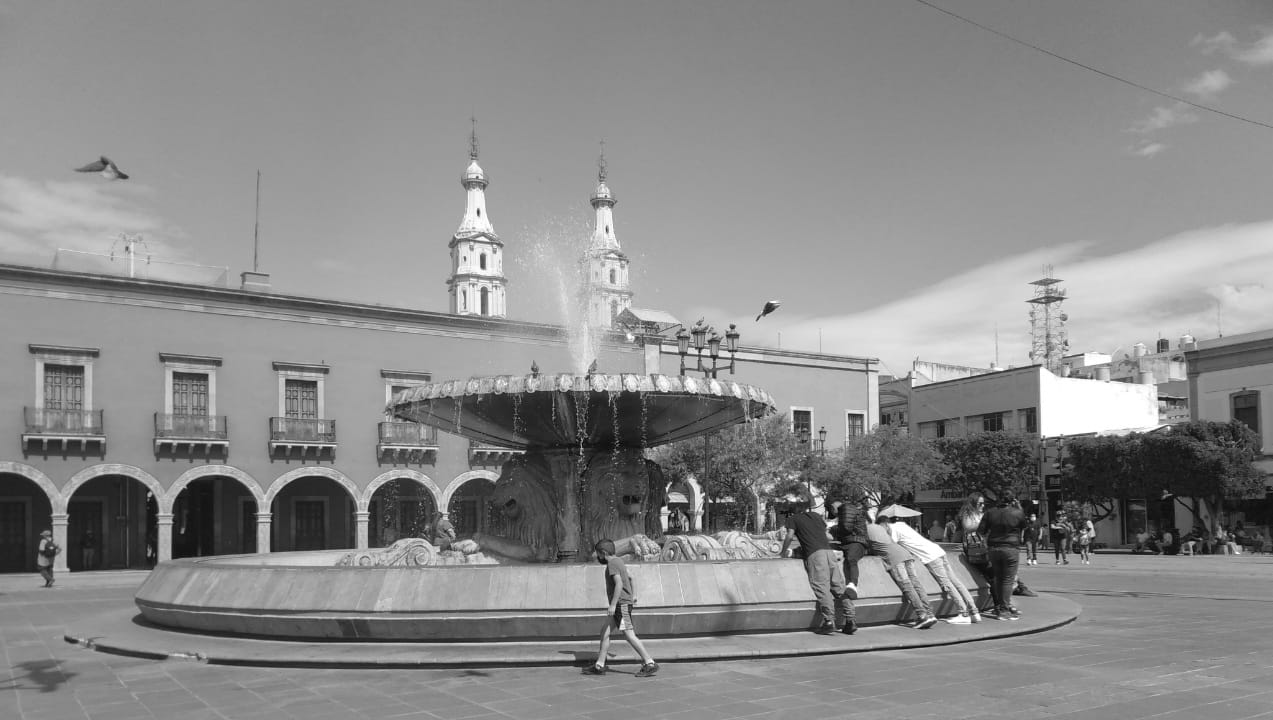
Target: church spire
(477, 284)
(606, 265)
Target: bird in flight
(769, 307)
(106, 167)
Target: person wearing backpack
(44, 554)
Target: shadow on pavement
(43, 675)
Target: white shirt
(922, 548)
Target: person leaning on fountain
(934, 558)
(901, 567)
(826, 578)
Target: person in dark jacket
(1001, 527)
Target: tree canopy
(993, 463)
(885, 465)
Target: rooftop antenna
(130, 249)
(1219, 327)
(1048, 341)
(256, 231)
(996, 344)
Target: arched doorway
(312, 512)
(213, 515)
(116, 516)
(400, 508)
(25, 511)
(471, 509)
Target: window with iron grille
(63, 387)
(300, 399)
(855, 424)
(1246, 409)
(190, 394)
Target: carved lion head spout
(622, 493)
(524, 501)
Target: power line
(1098, 71)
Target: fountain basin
(301, 596)
(595, 411)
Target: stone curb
(124, 632)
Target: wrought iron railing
(192, 427)
(409, 434)
(285, 429)
(43, 421)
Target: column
(695, 527)
(163, 553)
(360, 530)
(60, 521)
(263, 532)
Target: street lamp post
(698, 335)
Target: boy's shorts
(622, 619)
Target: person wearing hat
(44, 555)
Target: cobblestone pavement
(1159, 637)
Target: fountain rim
(607, 383)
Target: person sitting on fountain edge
(826, 578)
(622, 597)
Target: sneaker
(849, 628)
(991, 613)
(976, 617)
(827, 629)
(1011, 613)
(647, 670)
(926, 623)
(960, 619)
(851, 591)
(595, 670)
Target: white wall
(1071, 406)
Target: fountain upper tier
(593, 411)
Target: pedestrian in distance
(442, 533)
(1084, 537)
(88, 550)
(936, 532)
(44, 554)
(1061, 531)
(1001, 526)
(934, 558)
(1031, 537)
(901, 567)
(951, 534)
(826, 578)
(622, 596)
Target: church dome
(602, 192)
(474, 173)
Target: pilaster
(164, 536)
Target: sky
(896, 177)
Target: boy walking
(621, 596)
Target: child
(621, 595)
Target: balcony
(487, 454)
(304, 435)
(64, 430)
(406, 441)
(202, 435)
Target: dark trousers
(1004, 560)
(46, 572)
(853, 552)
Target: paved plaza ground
(1159, 637)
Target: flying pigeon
(104, 166)
(769, 307)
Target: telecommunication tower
(1048, 341)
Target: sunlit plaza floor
(1159, 637)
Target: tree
(1097, 471)
(1206, 461)
(744, 463)
(992, 463)
(885, 465)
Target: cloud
(1147, 149)
(1208, 84)
(1195, 282)
(1164, 117)
(40, 221)
(1258, 53)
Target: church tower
(605, 264)
(477, 284)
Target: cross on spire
(601, 163)
(473, 139)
